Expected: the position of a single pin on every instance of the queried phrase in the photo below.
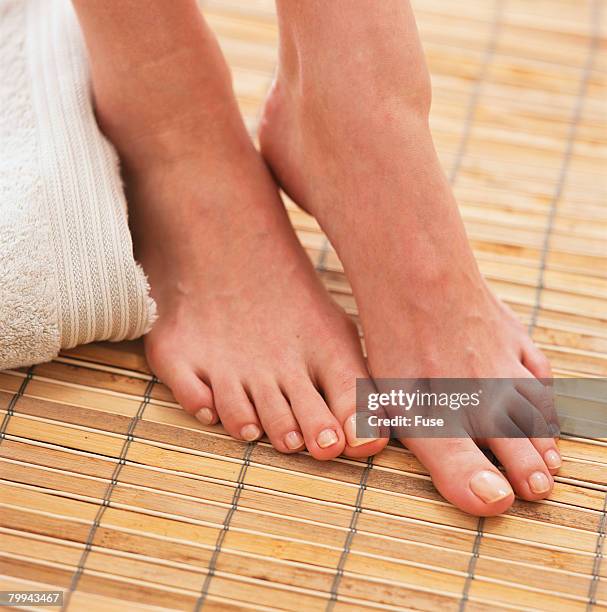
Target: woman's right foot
(246, 332)
(345, 131)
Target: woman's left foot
(350, 142)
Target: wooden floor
(111, 494)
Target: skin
(246, 332)
(346, 133)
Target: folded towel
(67, 272)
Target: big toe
(338, 383)
(340, 393)
(463, 474)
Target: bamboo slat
(112, 494)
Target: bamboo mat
(111, 494)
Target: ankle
(167, 109)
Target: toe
(549, 452)
(276, 417)
(463, 475)
(339, 388)
(321, 430)
(546, 421)
(236, 411)
(525, 467)
(542, 410)
(535, 361)
(191, 393)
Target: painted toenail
(250, 433)
(205, 416)
(293, 440)
(327, 437)
(553, 459)
(350, 429)
(490, 487)
(539, 483)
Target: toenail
(490, 487)
(327, 437)
(539, 483)
(250, 433)
(293, 440)
(205, 416)
(350, 429)
(553, 459)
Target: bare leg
(346, 133)
(246, 332)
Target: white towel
(67, 272)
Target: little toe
(236, 411)
(194, 396)
(525, 467)
(277, 417)
(549, 451)
(535, 361)
(540, 410)
(322, 432)
(463, 474)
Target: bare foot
(246, 332)
(348, 139)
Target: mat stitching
(470, 572)
(339, 572)
(571, 138)
(204, 591)
(499, 9)
(598, 556)
(108, 493)
(10, 410)
(500, 6)
(595, 20)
